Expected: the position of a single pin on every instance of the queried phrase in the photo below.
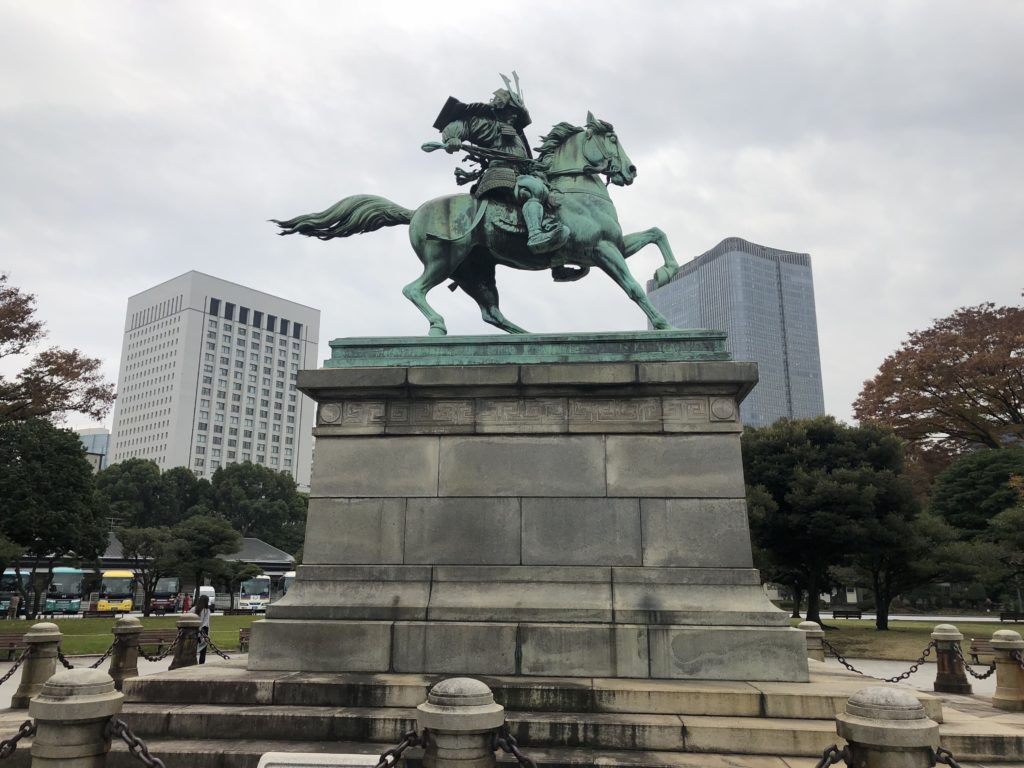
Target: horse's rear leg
(486, 296)
(612, 262)
(637, 240)
(436, 269)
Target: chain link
(213, 647)
(959, 653)
(834, 755)
(163, 654)
(64, 659)
(1016, 656)
(7, 746)
(390, 757)
(944, 756)
(17, 663)
(505, 741)
(105, 656)
(136, 746)
(913, 667)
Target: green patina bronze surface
(549, 213)
(627, 346)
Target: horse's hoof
(664, 275)
(437, 330)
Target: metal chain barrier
(834, 755)
(105, 656)
(390, 757)
(958, 651)
(913, 667)
(7, 746)
(64, 660)
(213, 647)
(17, 663)
(164, 653)
(506, 742)
(136, 746)
(1016, 656)
(944, 756)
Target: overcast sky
(141, 140)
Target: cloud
(144, 140)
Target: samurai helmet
(511, 98)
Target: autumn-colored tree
(55, 381)
(956, 385)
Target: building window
(214, 307)
(243, 316)
(257, 319)
(229, 310)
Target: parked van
(211, 593)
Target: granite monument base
(549, 506)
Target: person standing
(202, 610)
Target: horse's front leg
(611, 260)
(637, 240)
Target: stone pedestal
(535, 505)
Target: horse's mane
(562, 131)
(555, 138)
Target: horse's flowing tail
(353, 215)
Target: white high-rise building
(207, 378)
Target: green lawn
(903, 641)
(84, 636)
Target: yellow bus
(117, 591)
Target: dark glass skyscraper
(764, 299)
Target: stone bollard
(887, 728)
(43, 640)
(124, 661)
(461, 717)
(950, 676)
(71, 715)
(185, 650)
(814, 634)
(1009, 675)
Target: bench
(12, 642)
(240, 612)
(1011, 616)
(94, 614)
(846, 613)
(243, 640)
(980, 648)
(158, 637)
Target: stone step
(232, 684)
(594, 731)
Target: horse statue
(461, 238)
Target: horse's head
(603, 151)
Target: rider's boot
(541, 240)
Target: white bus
(254, 593)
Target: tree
(201, 539)
(10, 553)
(55, 381)
(186, 494)
(50, 506)
(830, 486)
(976, 488)
(154, 553)
(260, 502)
(135, 492)
(956, 385)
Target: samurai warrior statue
(492, 134)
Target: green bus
(65, 592)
